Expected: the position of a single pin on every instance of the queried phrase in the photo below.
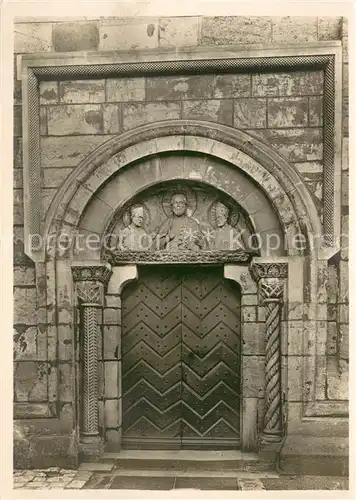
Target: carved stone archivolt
(90, 282)
(180, 216)
(271, 281)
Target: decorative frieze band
(181, 257)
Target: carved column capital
(100, 273)
(269, 270)
(270, 277)
(90, 282)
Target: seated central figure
(180, 232)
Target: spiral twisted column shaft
(271, 280)
(273, 411)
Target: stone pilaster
(271, 281)
(90, 282)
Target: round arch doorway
(181, 356)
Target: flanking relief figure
(134, 236)
(225, 236)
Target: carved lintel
(181, 257)
(261, 270)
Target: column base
(271, 437)
(90, 447)
(269, 450)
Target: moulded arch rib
(220, 141)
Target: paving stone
(95, 467)
(75, 485)
(250, 484)
(206, 483)
(306, 483)
(143, 483)
(76, 36)
(178, 31)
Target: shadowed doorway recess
(181, 359)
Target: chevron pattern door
(181, 359)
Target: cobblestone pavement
(55, 478)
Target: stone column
(271, 281)
(90, 281)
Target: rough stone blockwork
(284, 110)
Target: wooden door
(181, 356)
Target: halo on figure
(179, 189)
(233, 217)
(126, 218)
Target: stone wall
(282, 109)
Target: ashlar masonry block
(287, 112)
(75, 120)
(82, 91)
(296, 83)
